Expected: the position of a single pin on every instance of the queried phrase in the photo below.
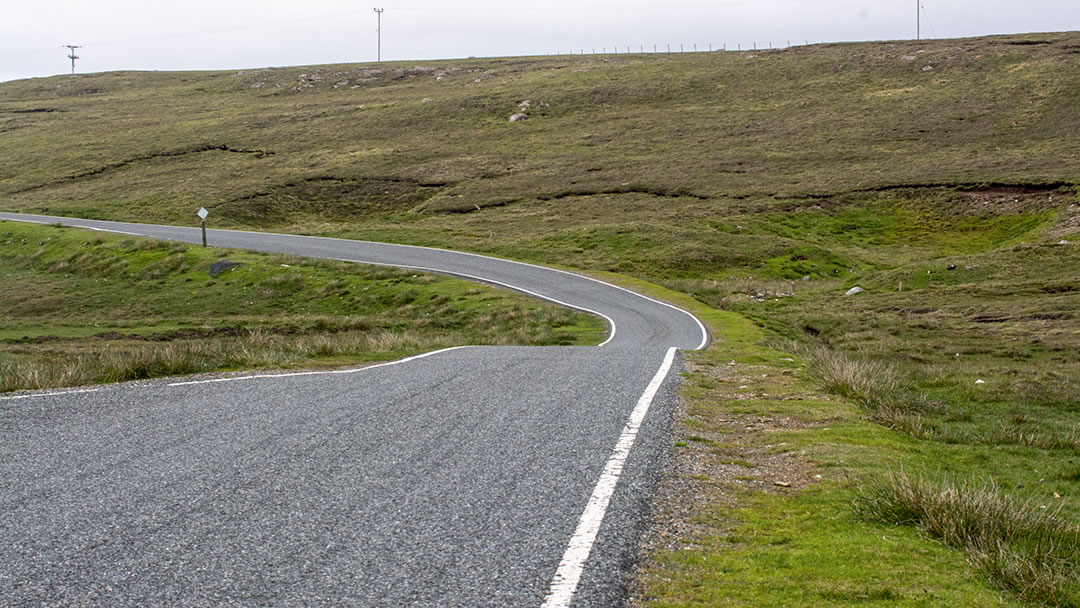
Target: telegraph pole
(918, 21)
(72, 56)
(378, 29)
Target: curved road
(479, 476)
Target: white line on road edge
(565, 582)
(37, 395)
(318, 373)
(701, 326)
(114, 231)
(480, 279)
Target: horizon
(122, 35)
(591, 52)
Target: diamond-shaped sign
(203, 213)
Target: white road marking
(331, 372)
(53, 394)
(565, 582)
(611, 322)
(114, 231)
(704, 333)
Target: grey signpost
(202, 216)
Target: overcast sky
(226, 34)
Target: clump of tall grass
(890, 399)
(880, 389)
(1034, 436)
(1023, 545)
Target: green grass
(744, 543)
(82, 308)
(755, 188)
(809, 550)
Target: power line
(928, 22)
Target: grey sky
(225, 34)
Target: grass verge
(769, 463)
(83, 308)
(1020, 544)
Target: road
(477, 476)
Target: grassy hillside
(940, 177)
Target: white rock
(1064, 242)
(519, 117)
(980, 382)
(927, 68)
(854, 290)
(427, 100)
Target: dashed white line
(567, 577)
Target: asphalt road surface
(476, 476)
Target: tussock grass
(890, 398)
(1024, 545)
(1034, 436)
(880, 389)
(256, 349)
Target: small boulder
(519, 117)
(854, 290)
(219, 267)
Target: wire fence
(681, 48)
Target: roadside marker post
(202, 216)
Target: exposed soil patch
(1068, 224)
(328, 197)
(124, 163)
(1012, 199)
(651, 190)
(32, 111)
(1028, 42)
(714, 459)
(975, 187)
(470, 207)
